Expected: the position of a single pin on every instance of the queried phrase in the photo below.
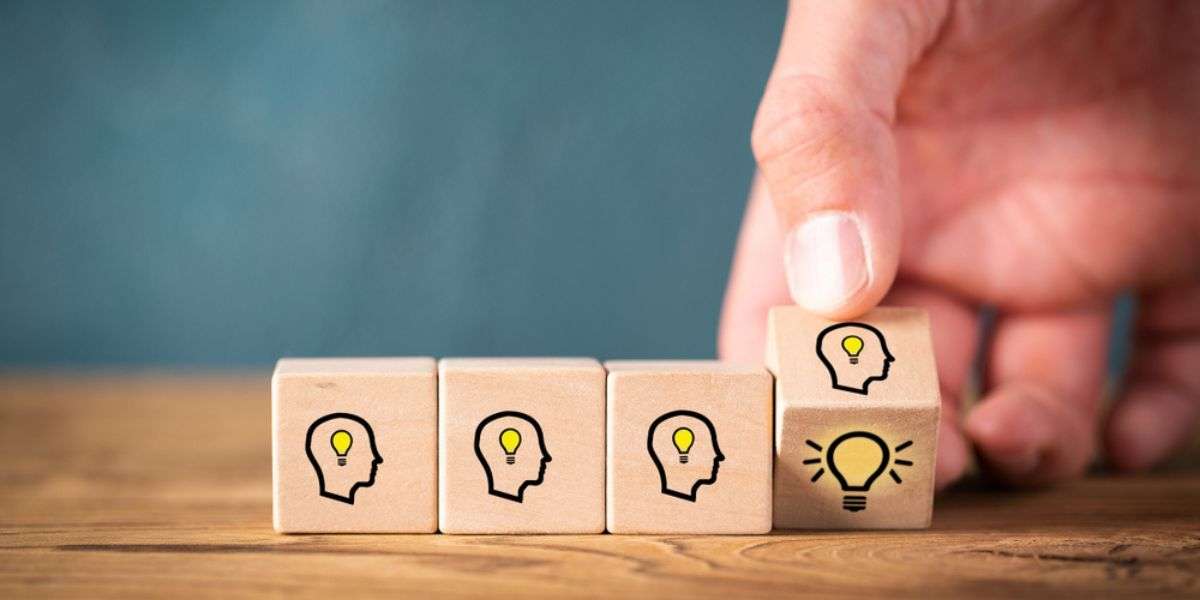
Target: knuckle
(803, 120)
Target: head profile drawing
(683, 446)
(855, 354)
(512, 450)
(342, 450)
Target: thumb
(823, 141)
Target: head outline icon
(682, 477)
(340, 473)
(854, 371)
(508, 472)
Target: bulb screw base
(854, 503)
(683, 458)
(854, 360)
(510, 460)
(341, 461)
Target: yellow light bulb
(683, 439)
(852, 344)
(341, 442)
(856, 459)
(510, 440)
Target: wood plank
(153, 484)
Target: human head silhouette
(855, 354)
(512, 450)
(683, 446)
(342, 450)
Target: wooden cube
(689, 447)
(856, 416)
(521, 445)
(354, 445)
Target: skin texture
(1039, 157)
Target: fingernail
(826, 261)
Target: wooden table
(160, 485)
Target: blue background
(225, 183)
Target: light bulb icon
(857, 459)
(853, 345)
(341, 442)
(510, 440)
(683, 438)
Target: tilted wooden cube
(521, 445)
(856, 411)
(689, 447)
(354, 445)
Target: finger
(1037, 422)
(954, 327)
(756, 282)
(823, 141)
(1158, 412)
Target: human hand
(1036, 156)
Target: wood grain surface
(159, 485)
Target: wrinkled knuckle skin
(799, 117)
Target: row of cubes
(570, 445)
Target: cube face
(689, 447)
(354, 445)
(857, 407)
(884, 358)
(521, 445)
(859, 468)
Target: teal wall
(227, 182)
